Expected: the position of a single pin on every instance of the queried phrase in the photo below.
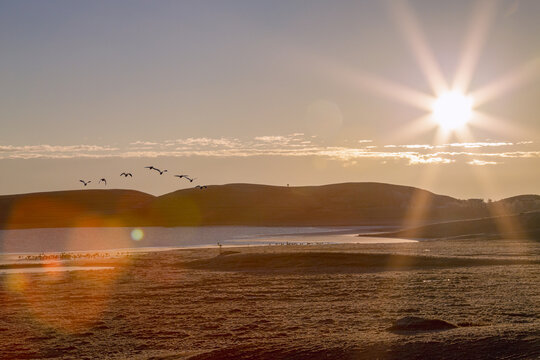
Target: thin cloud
(458, 145)
(144, 143)
(482, 162)
(480, 144)
(205, 141)
(291, 145)
(411, 146)
(44, 151)
(271, 138)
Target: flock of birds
(161, 172)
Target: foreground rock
(413, 323)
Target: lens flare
(137, 234)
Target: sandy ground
(282, 302)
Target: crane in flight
(126, 174)
(85, 182)
(104, 180)
(155, 168)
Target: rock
(414, 323)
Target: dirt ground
(276, 302)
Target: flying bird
(104, 180)
(126, 174)
(159, 171)
(190, 179)
(201, 187)
(155, 168)
(181, 176)
(85, 182)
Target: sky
(291, 92)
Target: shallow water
(54, 269)
(321, 239)
(113, 238)
(16, 245)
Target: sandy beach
(282, 302)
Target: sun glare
(452, 110)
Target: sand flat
(154, 306)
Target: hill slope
(249, 204)
(523, 225)
(69, 208)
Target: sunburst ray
(409, 25)
(483, 14)
(527, 72)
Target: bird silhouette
(85, 182)
(126, 174)
(104, 180)
(155, 168)
(181, 176)
(160, 171)
(190, 179)
(201, 187)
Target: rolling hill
(250, 204)
(522, 225)
(69, 208)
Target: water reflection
(53, 269)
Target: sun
(452, 110)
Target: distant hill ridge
(249, 204)
(524, 225)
